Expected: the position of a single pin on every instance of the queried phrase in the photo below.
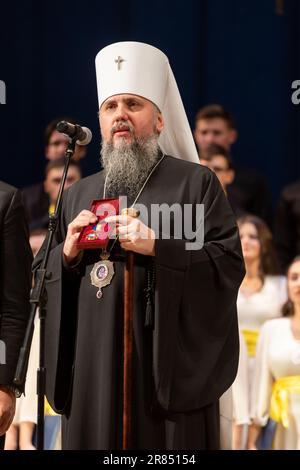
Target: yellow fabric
(251, 337)
(51, 209)
(48, 410)
(279, 409)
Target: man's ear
(159, 122)
(230, 174)
(233, 136)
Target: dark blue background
(239, 53)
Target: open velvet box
(97, 235)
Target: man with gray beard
(127, 165)
(185, 350)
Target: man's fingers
(80, 222)
(84, 220)
(126, 245)
(87, 213)
(125, 237)
(75, 236)
(123, 229)
(119, 219)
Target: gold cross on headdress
(119, 61)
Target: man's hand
(7, 409)
(133, 234)
(70, 250)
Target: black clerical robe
(15, 282)
(184, 361)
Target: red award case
(97, 235)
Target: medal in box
(97, 235)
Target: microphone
(83, 135)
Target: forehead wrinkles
(124, 99)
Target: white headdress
(140, 69)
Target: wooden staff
(128, 342)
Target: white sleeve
(263, 380)
(240, 388)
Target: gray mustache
(121, 125)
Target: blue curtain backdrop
(239, 53)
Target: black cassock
(183, 362)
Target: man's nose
(121, 113)
(209, 138)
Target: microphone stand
(38, 298)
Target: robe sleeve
(195, 338)
(263, 379)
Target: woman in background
(277, 371)
(261, 296)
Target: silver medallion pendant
(101, 275)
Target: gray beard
(127, 166)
